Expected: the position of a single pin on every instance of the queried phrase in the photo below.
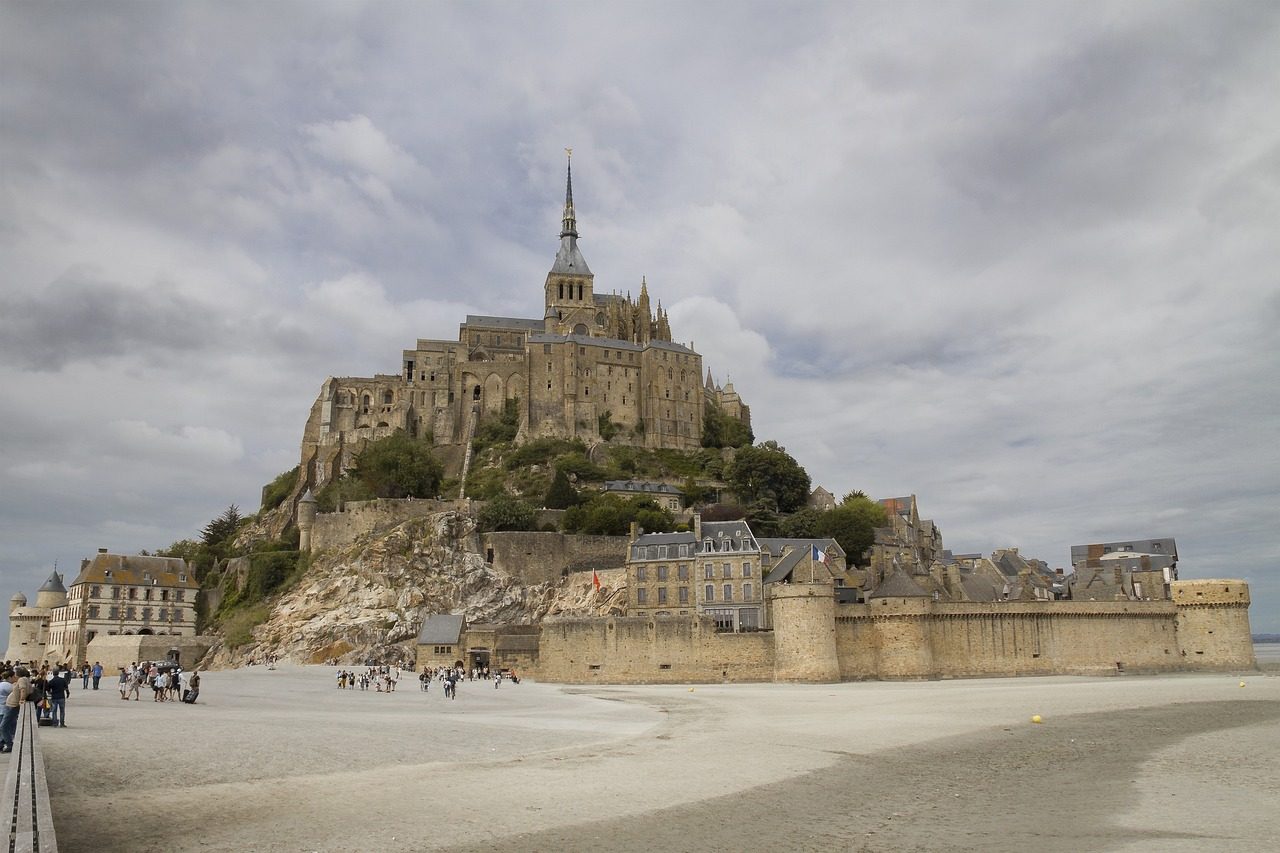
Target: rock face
(369, 599)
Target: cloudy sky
(1018, 259)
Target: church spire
(570, 223)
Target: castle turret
(1213, 624)
(52, 594)
(306, 520)
(18, 600)
(804, 632)
(900, 612)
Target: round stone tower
(900, 612)
(52, 594)
(306, 520)
(18, 600)
(804, 632)
(1213, 624)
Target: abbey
(593, 361)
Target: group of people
(383, 679)
(168, 683)
(47, 689)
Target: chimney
(697, 527)
(102, 550)
(635, 531)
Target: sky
(1020, 260)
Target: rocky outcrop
(368, 600)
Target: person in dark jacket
(56, 689)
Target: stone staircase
(468, 434)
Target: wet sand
(283, 761)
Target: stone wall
(335, 529)
(1213, 623)
(114, 651)
(536, 557)
(638, 650)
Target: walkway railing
(26, 809)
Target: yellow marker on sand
(1036, 719)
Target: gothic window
(579, 292)
(367, 402)
(669, 374)
(600, 318)
(562, 290)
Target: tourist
(97, 673)
(20, 681)
(124, 684)
(84, 675)
(193, 688)
(158, 686)
(56, 691)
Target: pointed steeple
(570, 221)
(569, 260)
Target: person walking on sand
(97, 673)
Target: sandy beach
(282, 760)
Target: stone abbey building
(592, 358)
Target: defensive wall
(1204, 627)
(546, 557)
(643, 650)
(334, 529)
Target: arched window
(475, 395)
(367, 401)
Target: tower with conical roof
(570, 295)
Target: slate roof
(53, 584)
(898, 585)
(132, 570)
(640, 486)
(442, 629)
(504, 322)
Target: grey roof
(53, 584)
(777, 545)
(664, 538)
(1165, 547)
(784, 567)
(442, 628)
(639, 486)
(899, 585)
(307, 498)
(504, 322)
(670, 346)
(586, 340)
(569, 260)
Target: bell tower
(570, 296)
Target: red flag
(595, 580)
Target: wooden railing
(26, 811)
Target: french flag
(820, 556)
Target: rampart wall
(334, 529)
(1205, 627)
(536, 557)
(641, 650)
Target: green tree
(399, 466)
(767, 473)
(691, 494)
(611, 515)
(853, 525)
(802, 524)
(721, 430)
(561, 494)
(608, 429)
(274, 493)
(217, 535)
(498, 430)
(506, 512)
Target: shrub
(274, 493)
